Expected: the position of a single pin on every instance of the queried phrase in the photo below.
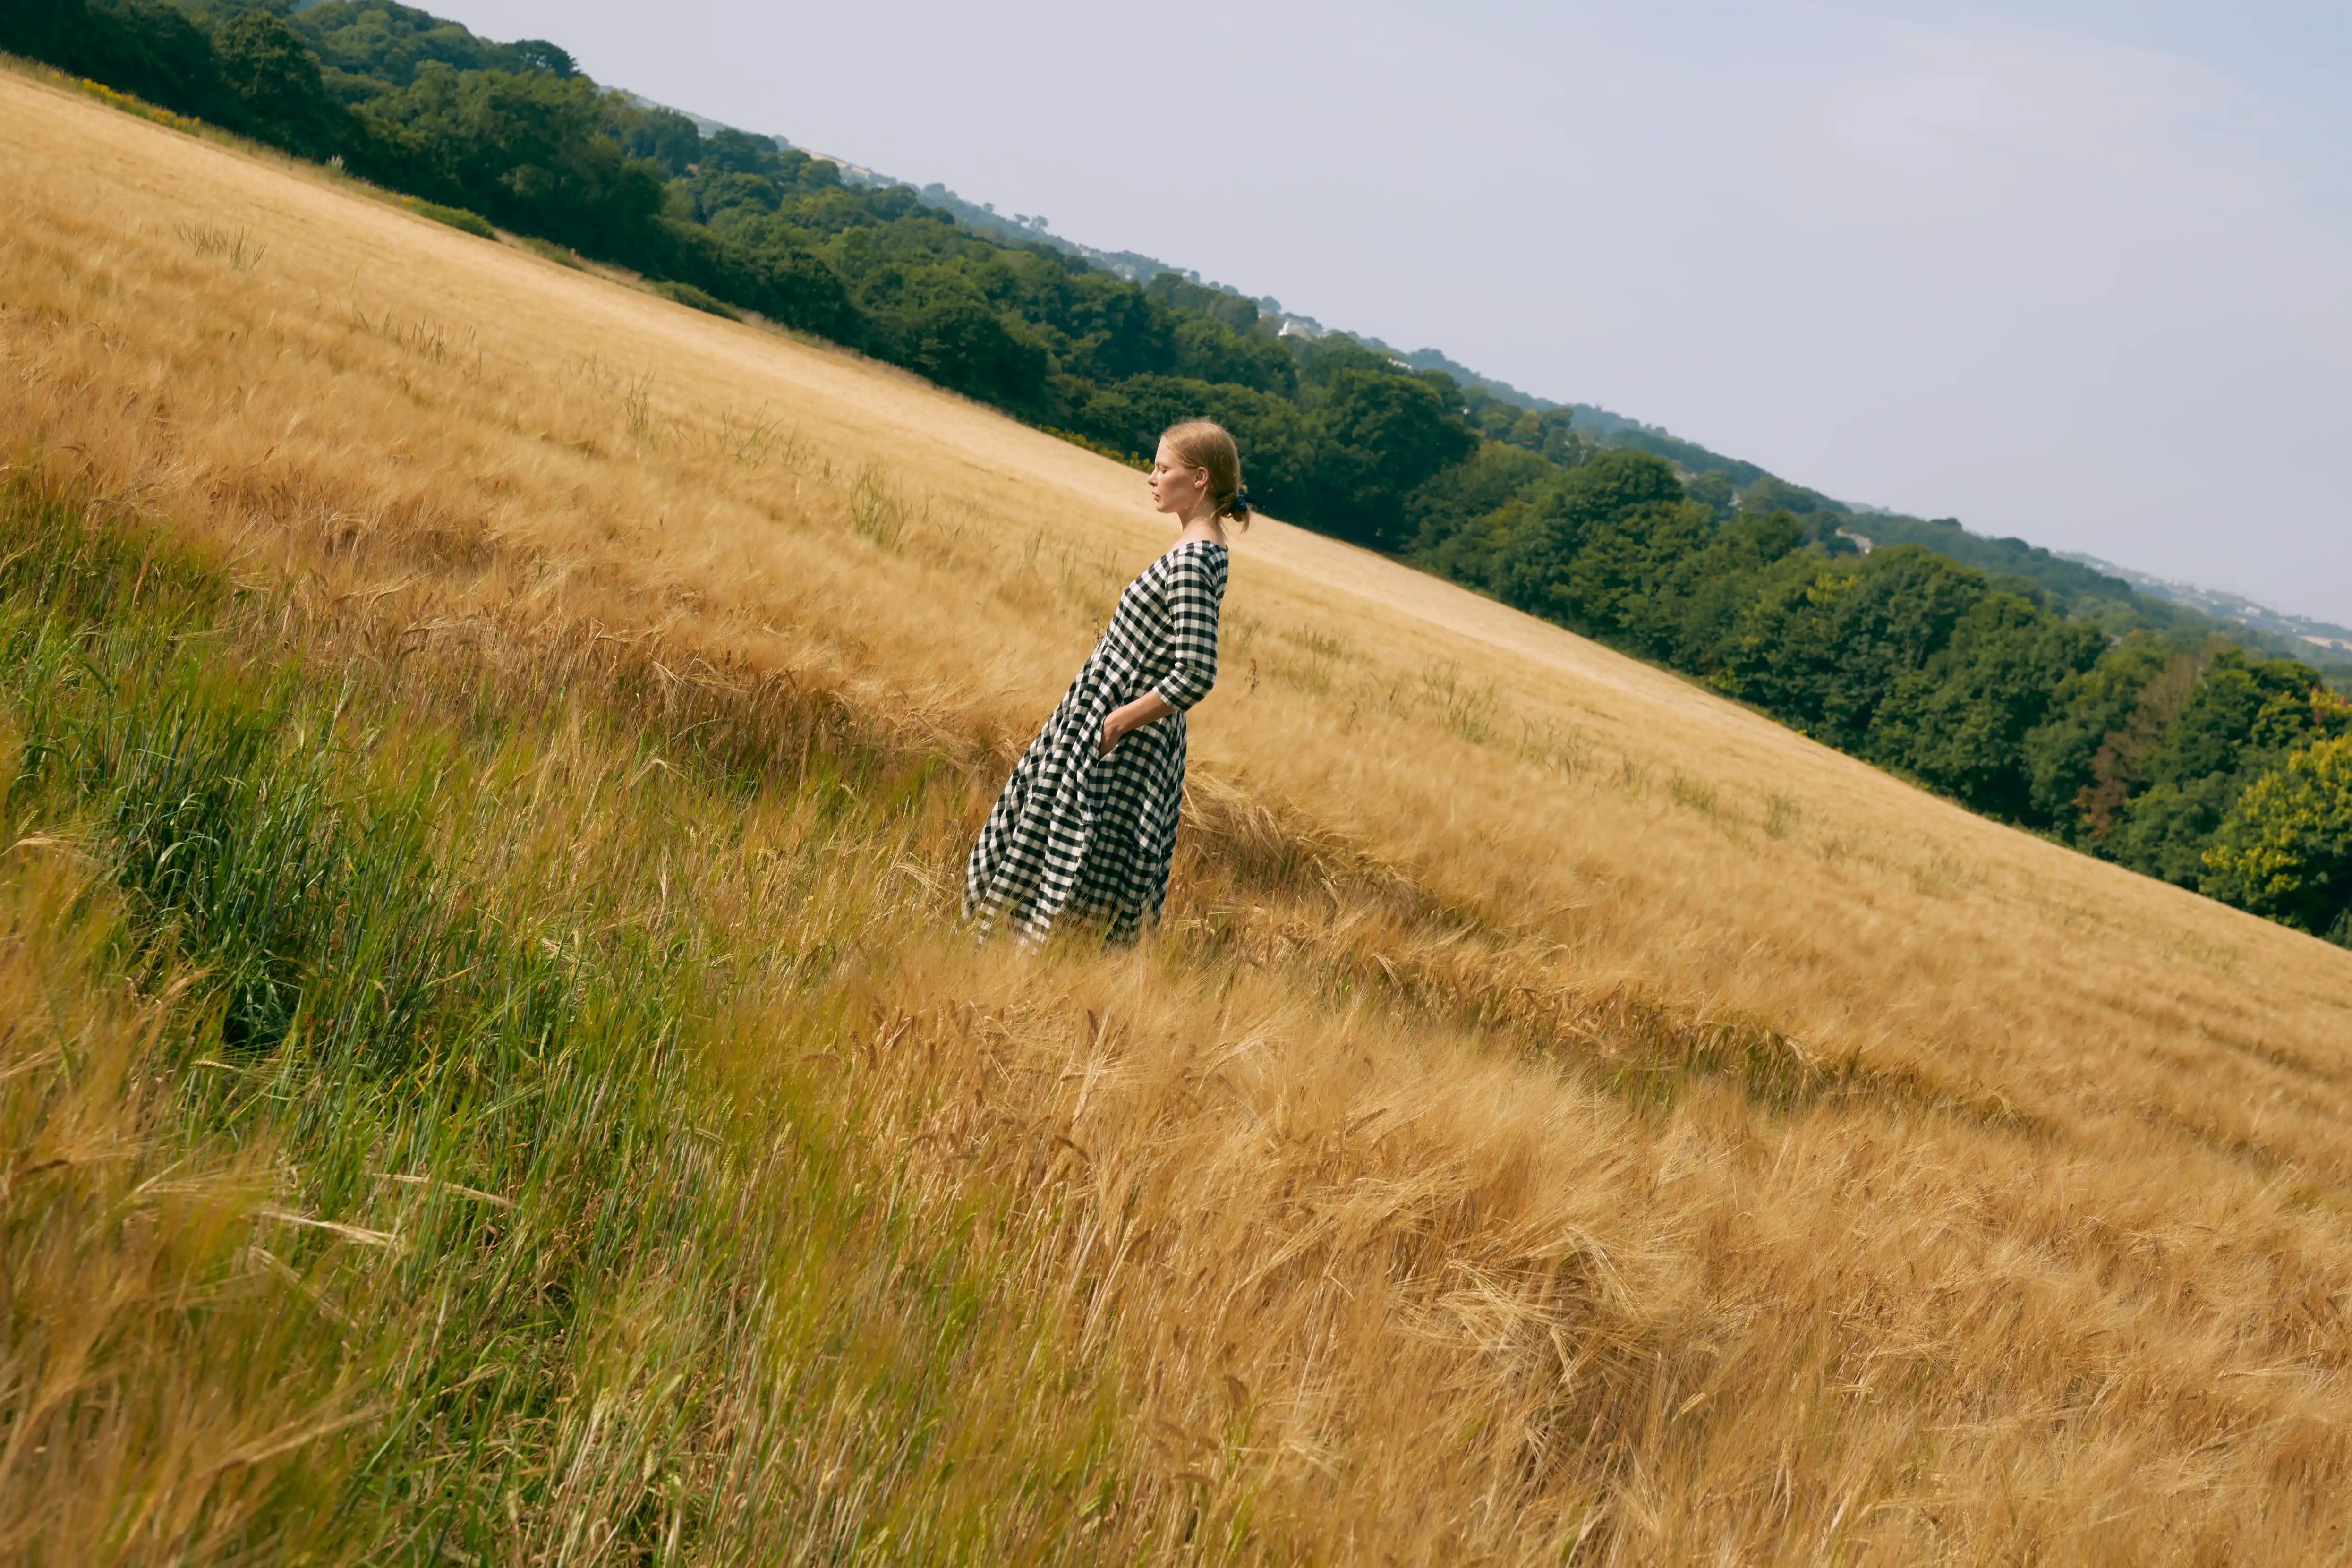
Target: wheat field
(1565, 1116)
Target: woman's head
(1197, 460)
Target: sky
(2077, 271)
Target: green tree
(1784, 652)
(1109, 330)
(1960, 721)
(530, 151)
(1270, 431)
(2244, 715)
(1714, 491)
(964, 345)
(1458, 497)
(1769, 494)
(1206, 349)
(2087, 760)
(1634, 573)
(1527, 551)
(134, 46)
(2286, 849)
(1824, 644)
(1380, 437)
(663, 136)
(784, 282)
(370, 47)
(1172, 291)
(717, 196)
(1543, 431)
(1728, 576)
(275, 79)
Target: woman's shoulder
(1198, 555)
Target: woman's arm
(1193, 632)
(1124, 720)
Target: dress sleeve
(1193, 597)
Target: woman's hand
(1128, 717)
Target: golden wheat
(1566, 1111)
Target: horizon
(1863, 248)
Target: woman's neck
(1200, 525)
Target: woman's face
(1174, 484)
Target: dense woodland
(2028, 687)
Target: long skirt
(1077, 836)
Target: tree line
(2174, 751)
(2060, 702)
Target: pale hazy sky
(2078, 271)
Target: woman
(1087, 824)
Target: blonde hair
(1205, 443)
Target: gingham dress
(1077, 836)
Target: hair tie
(1238, 503)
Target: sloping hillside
(1567, 1117)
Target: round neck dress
(1081, 835)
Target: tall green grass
(564, 1258)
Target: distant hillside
(1018, 228)
(2000, 557)
(2080, 581)
(2083, 584)
(2325, 636)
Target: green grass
(695, 299)
(472, 223)
(562, 1277)
(561, 254)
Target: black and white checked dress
(1079, 835)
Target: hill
(493, 1072)
(2100, 589)
(2025, 687)
(2291, 630)
(424, 105)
